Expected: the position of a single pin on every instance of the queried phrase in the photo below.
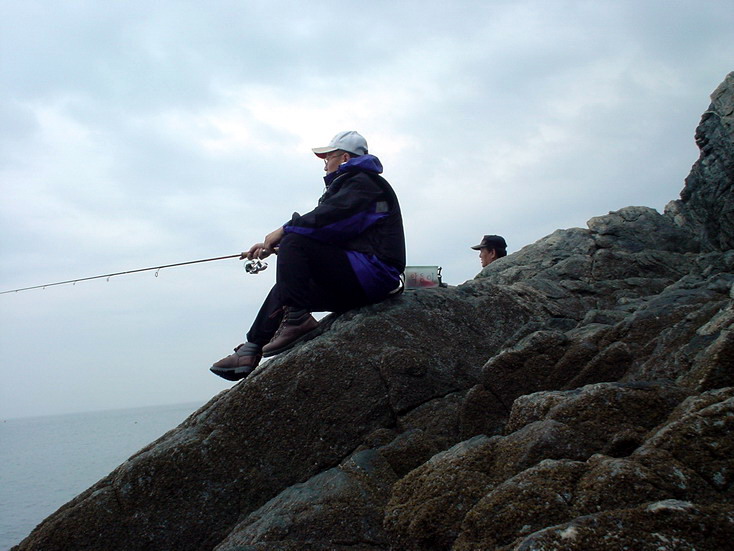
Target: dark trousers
(312, 276)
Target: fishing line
(261, 266)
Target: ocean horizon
(46, 461)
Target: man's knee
(295, 238)
(303, 244)
(293, 241)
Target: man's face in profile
(487, 256)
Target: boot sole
(232, 373)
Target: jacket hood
(356, 164)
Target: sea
(46, 461)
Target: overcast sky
(141, 133)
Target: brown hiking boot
(295, 327)
(240, 364)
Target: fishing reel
(255, 266)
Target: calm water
(46, 461)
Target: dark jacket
(359, 212)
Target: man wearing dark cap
(347, 252)
(490, 249)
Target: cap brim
(477, 247)
(321, 152)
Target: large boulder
(663, 525)
(706, 205)
(431, 506)
(297, 416)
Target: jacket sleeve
(354, 207)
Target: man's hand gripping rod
(256, 265)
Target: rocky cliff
(578, 394)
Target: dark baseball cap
(491, 242)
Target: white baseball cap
(349, 141)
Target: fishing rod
(251, 267)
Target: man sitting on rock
(347, 252)
(490, 249)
